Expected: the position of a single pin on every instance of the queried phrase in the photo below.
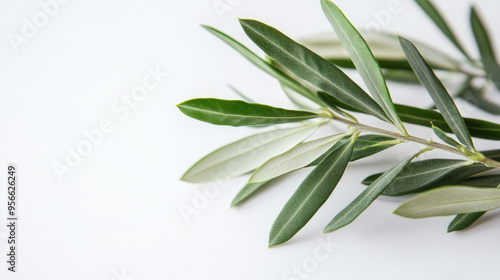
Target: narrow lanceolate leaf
(463, 221)
(477, 128)
(311, 194)
(365, 146)
(368, 145)
(262, 64)
(246, 192)
(295, 158)
(428, 174)
(414, 115)
(438, 19)
(362, 201)
(441, 97)
(246, 154)
(486, 49)
(447, 139)
(450, 200)
(311, 67)
(363, 59)
(240, 113)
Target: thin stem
(362, 127)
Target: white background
(116, 215)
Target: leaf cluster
(319, 86)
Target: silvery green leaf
(309, 66)
(363, 59)
(441, 97)
(450, 200)
(248, 190)
(363, 200)
(463, 221)
(246, 154)
(311, 194)
(295, 158)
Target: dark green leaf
(365, 146)
(438, 19)
(363, 59)
(246, 192)
(240, 113)
(311, 194)
(362, 201)
(441, 97)
(262, 64)
(486, 49)
(310, 67)
(428, 174)
(413, 115)
(463, 221)
(486, 181)
(384, 63)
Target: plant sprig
(274, 153)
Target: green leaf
(246, 192)
(246, 154)
(365, 146)
(447, 139)
(362, 201)
(438, 19)
(450, 200)
(485, 181)
(262, 64)
(368, 145)
(463, 221)
(363, 59)
(310, 67)
(442, 99)
(311, 194)
(240, 113)
(486, 49)
(492, 154)
(413, 115)
(428, 174)
(295, 158)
